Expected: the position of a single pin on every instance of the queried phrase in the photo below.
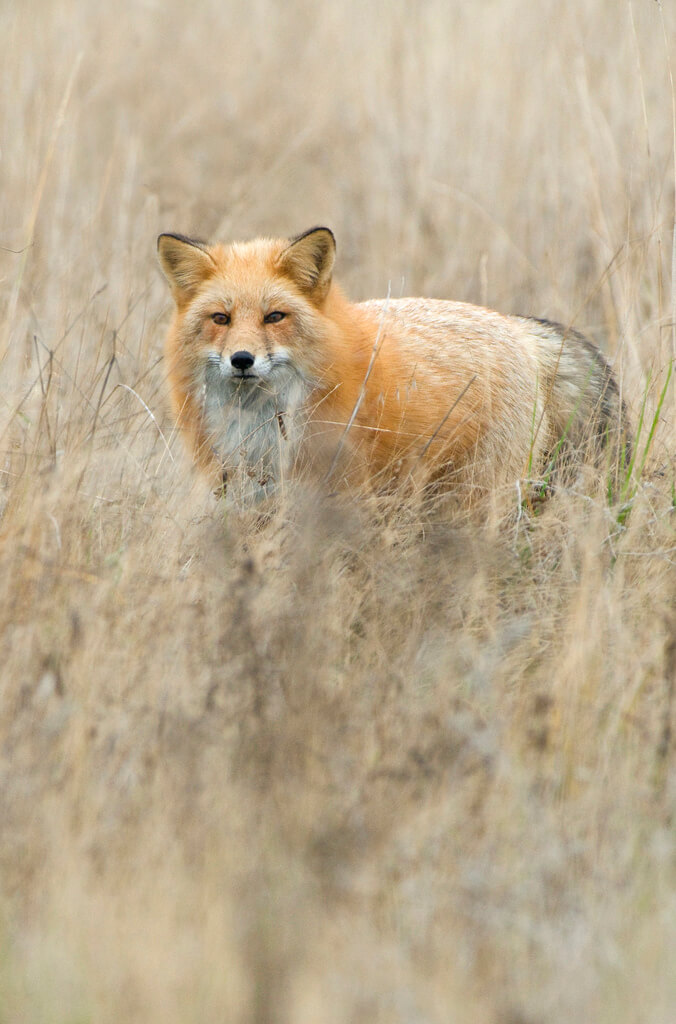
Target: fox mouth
(217, 372)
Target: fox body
(272, 370)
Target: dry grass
(349, 767)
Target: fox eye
(220, 318)
(274, 318)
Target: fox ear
(185, 262)
(308, 261)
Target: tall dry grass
(352, 766)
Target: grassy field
(352, 766)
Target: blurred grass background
(350, 767)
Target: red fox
(273, 371)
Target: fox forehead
(247, 274)
(264, 294)
(246, 260)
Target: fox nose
(242, 360)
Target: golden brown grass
(350, 766)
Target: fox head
(248, 315)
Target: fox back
(273, 371)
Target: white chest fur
(254, 427)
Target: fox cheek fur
(272, 368)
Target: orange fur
(375, 391)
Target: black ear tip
(167, 235)
(313, 231)
(330, 233)
(197, 243)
